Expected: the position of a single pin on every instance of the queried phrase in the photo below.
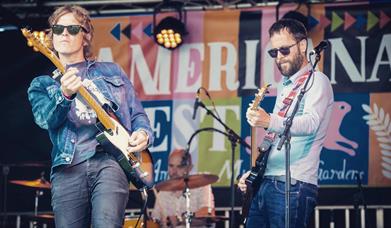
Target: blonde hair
(83, 17)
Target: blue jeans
(94, 192)
(268, 205)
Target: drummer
(170, 206)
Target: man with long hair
(89, 187)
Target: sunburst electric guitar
(113, 137)
(258, 165)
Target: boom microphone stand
(234, 139)
(285, 138)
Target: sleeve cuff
(68, 98)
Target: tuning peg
(35, 49)
(29, 43)
(36, 34)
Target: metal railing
(225, 211)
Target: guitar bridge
(144, 174)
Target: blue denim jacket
(50, 107)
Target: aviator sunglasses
(283, 50)
(72, 29)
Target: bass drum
(131, 223)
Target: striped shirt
(308, 129)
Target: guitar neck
(254, 151)
(39, 44)
(102, 115)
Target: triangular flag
(127, 31)
(349, 20)
(372, 20)
(148, 30)
(384, 19)
(116, 31)
(324, 21)
(312, 22)
(336, 21)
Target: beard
(291, 66)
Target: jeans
(268, 205)
(94, 192)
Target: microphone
(324, 44)
(196, 103)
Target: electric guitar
(258, 166)
(113, 137)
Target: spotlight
(170, 31)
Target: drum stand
(34, 222)
(38, 193)
(186, 193)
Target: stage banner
(224, 57)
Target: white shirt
(168, 203)
(308, 129)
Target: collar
(288, 80)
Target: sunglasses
(283, 50)
(72, 29)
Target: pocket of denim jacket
(114, 80)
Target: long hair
(83, 17)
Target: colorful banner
(226, 53)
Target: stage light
(170, 31)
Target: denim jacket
(50, 107)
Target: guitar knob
(144, 174)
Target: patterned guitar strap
(287, 102)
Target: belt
(281, 179)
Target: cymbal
(38, 183)
(194, 181)
(44, 216)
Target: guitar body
(139, 167)
(254, 180)
(258, 165)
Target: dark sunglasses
(283, 50)
(72, 29)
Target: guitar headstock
(39, 41)
(259, 96)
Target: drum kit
(176, 184)
(39, 185)
(185, 184)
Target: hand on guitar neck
(70, 82)
(258, 117)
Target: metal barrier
(347, 209)
(318, 210)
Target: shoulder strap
(288, 100)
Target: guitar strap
(287, 102)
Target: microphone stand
(234, 138)
(358, 198)
(5, 172)
(285, 138)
